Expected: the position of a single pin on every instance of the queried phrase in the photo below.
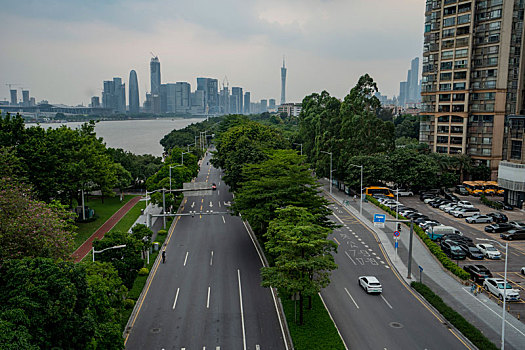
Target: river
(135, 136)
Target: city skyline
(61, 54)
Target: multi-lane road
(395, 319)
(207, 295)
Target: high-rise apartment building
(95, 102)
(25, 98)
(409, 90)
(14, 96)
(154, 67)
(114, 95)
(271, 104)
(182, 97)
(247, 103)
(472, 76)
(283, 83)
(133, 93)
(236, 100)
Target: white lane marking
(223, 218)
(347, 292)
(211, 258)
(211, 204)
(218, 193)
(337, 217)
(208, 300)
(219, 204)
(176, 296)
(349, 257)
(192, 204)
(390, 306)
(242, 312)
(186, 258)
(217, 348)
(257, 347)
(497, 313)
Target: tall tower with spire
(283, 83)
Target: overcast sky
(62, 50)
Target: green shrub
(143, 271)
(490, 203)
(128, 303)
(432, 246)
(162, 232)
(467, 329)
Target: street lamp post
(361, 191)
(182, 155)
(504, 289)
(170, 175)
(330, 153)
(300, 144)
(100, 251)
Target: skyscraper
(472, 76)
(236, 100)
(413, 81)
(154, 67)
(271, 104)
(247, 103)
(283, 83)
(114, 95)
(25, 97)
(133, 93)
(14, 97)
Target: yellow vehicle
(474, 188)
(493, 185)
(370, 191)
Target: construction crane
(152, 54)
(11, 84)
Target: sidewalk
(479, 310)
(86, 247)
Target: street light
(504, 288)
(100, 251)
(182, 155)
(361, 192)
(299, 144)
(170, 172)
(330, 153)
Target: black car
(424, 196)
(414, 215)
(461, 190)
(456, 238)
(452, 250)
(472, 252)
(451, 197)
(498, 228)
(421, 219)
(477, 272)
(498, 217)
(505, 205)
(513, 235)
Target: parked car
(436, 204)
(465, 204)
(447, 205)
(436, 233)
(407, 211)
(497, 287)
(424, 196)
(464, 212)
(513, 235)
(489, 251)
(460, 189)
(517, 224)
(498, 217)
(479, 219)
(451, 197)
(430, 199)
(478, 273)
(505, 205)
(414, 215)
(498, 228)
(457, 238)
(429, 224)
(403, 193)
(454, 207)
(472, 251)
(421, 219)
(370, 284)
(452, 250)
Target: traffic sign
(395, 244)
(379, 220)
(396, 233)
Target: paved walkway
(479, 310)
(86, 247)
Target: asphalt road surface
(208, 295)
(395, 319)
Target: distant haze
(62, 50)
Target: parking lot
(516, 258)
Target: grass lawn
(318, 331)
(103, 212)
(129, 219)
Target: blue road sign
(379, 218)
(420, 268)
(396, 244)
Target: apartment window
(494, 38)
(457, 119)
(447, 33)
(460, 75)
(445, 76)
(464, 19)
(442, 139)
(455, 150)
(491, 84)
(492, 61)
(462, 42)
(459, 86)
(495, 25)
(442, 129)
(455, 140)
(460, 64)
(515, 149)
(487, 140)
(447, 44)
(463, 30)
(456, 130)
(441, 149)
(485, 119)
(443, 108)
(444, 97)
(458, 108)
(443, 119)
(444, 87)
(495, 14)
(486, 151)
(446, 65)
(449, 22)
(458, 97)
(461, 53)
(492, 72)
(449, 10)
(447, 54)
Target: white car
(464, 212)
(446, 206)
(370, 284)
(479, 219)
(403, 193)
(449, 209)
(489, 251)
(465, 204)
(426, 200)
(496, 287)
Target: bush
(432, 246)
(490, 203)
(467, 329)
(143, 271)
(162, 232)
(128, 303)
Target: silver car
(479, 219)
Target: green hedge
(432, 246)
(467, 329)
(490, 203)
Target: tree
(31, 228)
(302, 254)
(281, 180)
